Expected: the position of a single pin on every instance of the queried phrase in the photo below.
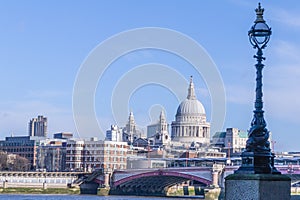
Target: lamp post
(257, 158)
(257, 178)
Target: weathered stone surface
(257, 187)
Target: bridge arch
(163, 173)
(154, 183)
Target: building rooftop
(243, 134)
(219, 135)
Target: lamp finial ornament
(259, 14)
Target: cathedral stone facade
(190, 125)
(130, 133)
(161, 135)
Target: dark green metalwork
(258, 134)
(257, 158)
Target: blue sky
(44, 43)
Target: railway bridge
(39, 179)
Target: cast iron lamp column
(257, 158)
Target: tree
(20, 164)
(13, 162)
(3, 161)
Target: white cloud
(286, 52)
(286, 17)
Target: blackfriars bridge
(156, 182)
(150, 181)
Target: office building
(51, 155)
(233, 141)
(24, 146)
(63, 135)
(38, 126)
(114, 134)
(93, 154)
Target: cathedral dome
(190, 124)
(190, 106)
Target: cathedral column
(194, 131)
(186, 131)
(205, 131)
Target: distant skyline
(44, 43)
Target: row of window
(4, 144)
(95, 159)
(12, 150)
(85, 152)
(98, 145)
(105, 166)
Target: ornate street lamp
(257, 158)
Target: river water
(75, 197)
(87, 197)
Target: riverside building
(87, 155)
(24, 146)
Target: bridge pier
(215, 178)
(89, 188)
(5, 184)
(185, 190)
(44, 185)
(106, 179)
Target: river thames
(75, 197)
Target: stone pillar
(185, 190)
(106, 179)
(5, 183)
(257, 187)
(45, 185)
(194, 131)
(215, 178)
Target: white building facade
(232, 141)
(114, 134)
(85, 155)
